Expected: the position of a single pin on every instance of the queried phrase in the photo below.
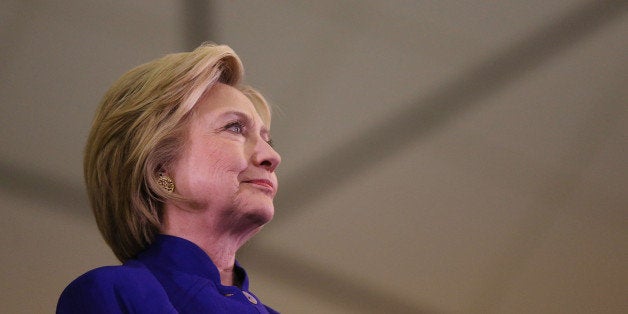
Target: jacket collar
(178, 254)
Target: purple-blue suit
(172, 276)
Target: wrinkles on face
(219, 158)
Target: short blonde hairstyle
(138, 130)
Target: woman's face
(228, 166)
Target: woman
(180, 173)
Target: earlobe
(165, 182)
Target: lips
(262, 182)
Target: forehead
(223, 98)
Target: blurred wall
(439, 156)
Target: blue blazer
(172, 276)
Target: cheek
(214, 166)
(225, 159)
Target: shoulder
(114, 289)
(124, 275)
(111, 277)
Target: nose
(266, 156)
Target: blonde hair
(138, 130)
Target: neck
(220, 243)
(222, 252)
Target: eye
(236, 127)
(270, 142)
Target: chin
(254, 209)
(261, 216)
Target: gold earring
(165, 182)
